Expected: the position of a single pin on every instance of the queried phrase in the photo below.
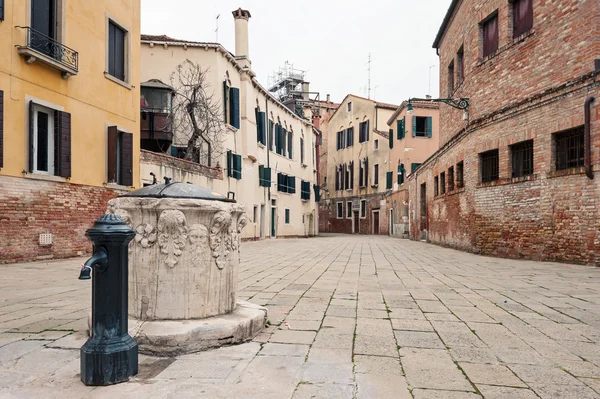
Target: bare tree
(197, 115)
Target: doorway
(376, 222)
(356, 223)
(262, 221)
(423, 209)
(391, 227)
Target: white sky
(330, 39)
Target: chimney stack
(329, 98)
(305, 90)
(241, 36)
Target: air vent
(46, 239)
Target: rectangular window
(460, 60)
(290, 142)
(120, 157)
(363, 132)
(350, 175)
(271, 134)
(489, 166)
(301, 150)
(451, 178)
(349, 106)
(350, 137)
(116, 51)
(421, 126)
(264, 176)
(389, 180)
(234, 165)
(376, 144)
(287, 216)
(451, 79)
(522, 158)
(490, 35)
(305, 190)
(522, 17)
(401, 173)
(376, 174)
(436, 186)
(43, 144)
(569, 147)
(49, 141)
(443, 183)
(1, 10)
(255, 214)
(43, 20)
(414, 166)
(363, 208)
(349, 210)
(460, 179)
(340, 210)
(261, 131)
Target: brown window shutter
(113, 137)
(62, 133)
(31, 149)
(126, 155)
(1, 129)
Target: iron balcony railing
(51, 48)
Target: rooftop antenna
(429, 92)
(369, 69)
(217, 29)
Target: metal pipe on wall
(587, 141)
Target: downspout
(587, 141)
(267, 129)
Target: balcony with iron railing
(42, 48)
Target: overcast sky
(330, 39)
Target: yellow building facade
(69, 120)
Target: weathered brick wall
(329, 223)
(548, 216)
(562, 46)
(183, 166)
(30, 207)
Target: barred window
(569, 146)
(443, 183)
(460, 179)
(522, 158)
(451, 178)
(436, 186)
(489, 166)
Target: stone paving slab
(350, 317)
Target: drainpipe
(267, 130)
(587, 141)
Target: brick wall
(562, 46)
(167, 161)
(329, 223)
(30, 207)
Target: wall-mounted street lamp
(458, 103)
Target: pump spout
(100, 258)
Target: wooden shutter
(366, 172)
(428, 125)
(234, 103)
(271, 127)
(391, 138)
(1, 15)
(266, 177)
(283, 140)
(261, 173)
(291, 182)
(352, 174)
(229, 164)
(367, 130)
(113, 137)
(225, 100)
(490, 36)
(262, 117)
(237, 166)
(1, 112)
(388, 180)
(31, 147)
(290, 145)
(414, 126)
(126, 155)
(62, 141)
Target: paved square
(350, 317)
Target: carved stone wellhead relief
(220, 240)
(242, 221)
(198, 236)
(145, 235)
(172, 235)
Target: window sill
(455, 191)
(261, 145)
(512, 180)
(115, 186)
(304, 165)
(566, 172)
(41, 176)
(514, 41)
(117, 81)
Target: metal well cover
(178, 190)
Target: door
(391, 228)
(43, 24)
(356, 222)
(423, 207)
(376, 222)
(273, 220)
(262, 221)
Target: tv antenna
(217, 29)
(369, 79)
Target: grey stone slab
(201, 369)
(343, 324)
(440, 317)
(551, 391)
(491, 374)
(593, 383)
(495, 392)
(373, 314)
(473, 355)
(377, 365)
(302, 325)
(273, 349)
(372, 386)
(318, 373)
(328, 355)
(340, 311)
(411, 325)
(433, 369)
(418, 339)
(408, 314)
(293, 337)
(438, 394)
(375, 327)
(375, 345)
(13, 351)
(324, 391)
(533, 374)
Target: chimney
(305, 90)
(329, 98)
(427, 96)
(241, 36)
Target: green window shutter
(388, 180)
(401, 173)
(271, 127)
(291, 182)
(287, 216)
(262, 117)
(225, 100)
(391, 138)
(283, 141)
(256, 118)
(267, 177)
(229, 164)
(403, 126)
(429, 125)
(237, 166)
(234, 103)
(290, 143)
(317, 193)
(277, 138)
(414, 166)
(400, 126)
(261, 175)
(414, 126)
